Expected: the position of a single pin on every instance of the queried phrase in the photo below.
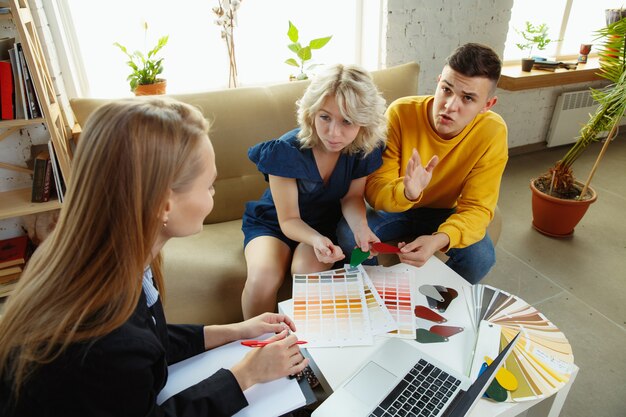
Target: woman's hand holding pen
(275, 360)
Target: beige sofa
(205, 273)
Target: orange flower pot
(558, 217)
(155, 89)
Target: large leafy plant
(559, 180)
(145, 68)
(303, 53)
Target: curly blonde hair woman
(316, 174)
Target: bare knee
(307, 265)
(265, 279)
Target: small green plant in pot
(145, 68)
(535, 37)
(558, 183)
(303, 53)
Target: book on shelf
(7, 289)
(59, 183)
(17, 269)
(6, 91)
(13, 251)
(10, 278)
(6, 79)
(21, 112)
(34, 109)
(42, 177)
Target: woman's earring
(165, 223)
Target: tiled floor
(579, 283)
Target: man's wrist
(408, 197)
(443, 241)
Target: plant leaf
(292, 33)
(319, 42)
(292, 61)
(305, 53)
(295, 47)
(123, 48)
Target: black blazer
(122, 373)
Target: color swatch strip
(329, 309)
(381, 320)
(394, 288)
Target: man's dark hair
(476, 60)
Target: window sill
(514, 79)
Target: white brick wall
(427, 31)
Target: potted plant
(557, 189)
(146, 68)
(303, 53)
(535, 36)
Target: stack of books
(13, 256)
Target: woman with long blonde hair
(84, 333)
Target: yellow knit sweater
(467, 177)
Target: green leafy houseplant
(535, 36)
(145, 68)
(611, 107)
(303, 53)
(559, 201)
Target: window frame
(369, 48)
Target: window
(196, 58)
(572, 21)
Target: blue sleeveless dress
(319, 203)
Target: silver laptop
(400, 380)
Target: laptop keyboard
(422, 392)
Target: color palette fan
(542, 360)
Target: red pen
(261, 343)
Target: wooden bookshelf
(17, 203)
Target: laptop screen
(465, 401)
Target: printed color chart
(394, 287)
(380, 318)
(330, 310)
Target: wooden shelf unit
(18, 203)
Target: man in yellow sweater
(442, 167)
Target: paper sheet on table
(268, 399)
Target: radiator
(572, 110)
